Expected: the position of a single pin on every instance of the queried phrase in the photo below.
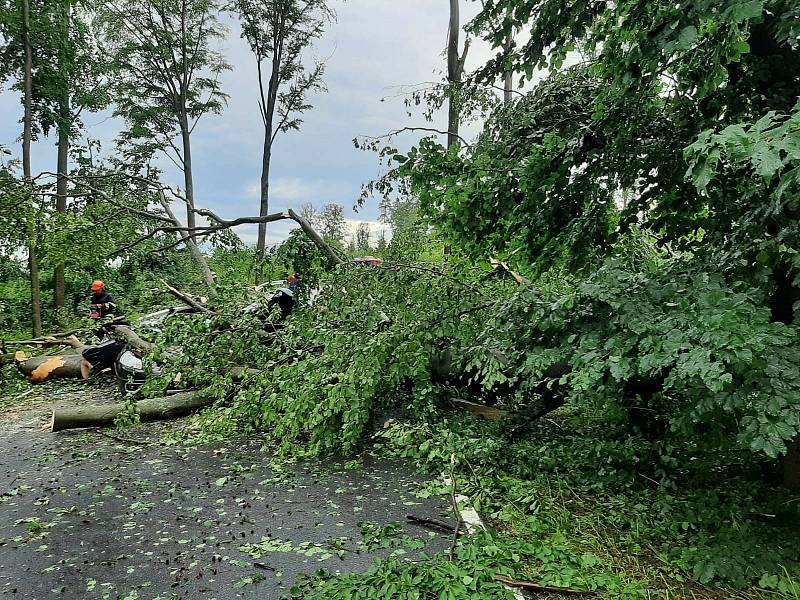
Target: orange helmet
(98, 285)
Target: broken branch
(535, 587)
(186, 299)
(435, 524)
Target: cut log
(42, 368)
(153, 409)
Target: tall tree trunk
(27, 135)
(36, 300)
(59, 282)
(188, 176)
(27, 123)
(508, 77)
(65, 122)
(189, 238)
(453, 74)
(264, 210)
(269, 116)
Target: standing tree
(17, 62)
(456, 58)
(279, 32)
(36, 303)
(332, 224)
(168, 79)
(48, 48)
(69, 80)
(361, 238)
(75, 84)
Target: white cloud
(375, 230)
(374, 47)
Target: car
(371, 261)
(129, 368)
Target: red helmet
(98, 285)
(292, 278)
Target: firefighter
(284, 298)
(102, 303)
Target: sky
(374, 48)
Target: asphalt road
(83, 515)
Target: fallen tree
(153, 409)
(48, 341)
(127, 335)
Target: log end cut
(44, 370)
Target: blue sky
(374, 47)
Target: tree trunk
(791, 467)
(453, 74)
(188, 180)
(59, 282)
(153, 409)
(188, 177)
(261, 245)
(65, 121)
(27, 132)
(36, 297)
(316, 238)
(508, 77)
(127, 335)
(268, 109)
(42, 368)
(27, 135)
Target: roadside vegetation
(610, 270)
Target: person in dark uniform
(102, 356)
(102, 303)
(284, 298)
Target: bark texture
(154, 409)
(42, 368)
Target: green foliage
(706, 343)
(366, 342)
(68, 67)
(559, 174)
(586, 479)
(167, 71)
(470, 575)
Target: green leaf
(766, 160)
